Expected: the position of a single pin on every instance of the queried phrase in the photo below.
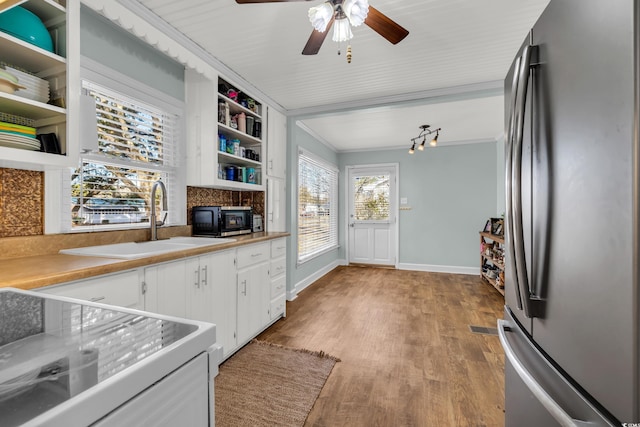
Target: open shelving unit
(51, 66)
(206, 162)
(497, 242)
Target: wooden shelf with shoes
(492, 253)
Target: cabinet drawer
(278, 306)
(253, 254)
(278, 286)
(278, 267)
(122, 289)
(278, 248)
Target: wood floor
(408, 356)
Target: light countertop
(31, 272)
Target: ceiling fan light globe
(356, 11)
(320, 16)
(342, 30)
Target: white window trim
(57, 182)
(330, 166)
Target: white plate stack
(18, 136)
(37, 89)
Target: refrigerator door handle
(530, 301)
(509, 184)
(555, 410)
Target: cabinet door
(199, 295)
(165, 288)
(220, 278)
(244, 306)
(254, 292)
(276, 144)
(121, 289)
(276, 204)
(201, 106)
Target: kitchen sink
(133, 250)
(201, 241)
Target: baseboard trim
(304, 283)
(475, 271)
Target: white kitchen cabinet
(120, 289)
(199, 293)
(253, 290)
(278, 278)
(200, 288)
(61, 69)
(204, 158)
(212, 294)
(276, 144)
(242, 291)
(276, 205)
(164, 286)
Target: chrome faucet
(154, 222)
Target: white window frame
(334, 209)
(58, 183)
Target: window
(137, 146)
(371, 197)
(317, 206)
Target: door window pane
(371, 198)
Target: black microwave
(221, 221)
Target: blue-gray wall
(106, 43)
(451, 192)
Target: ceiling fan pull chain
(349, 54)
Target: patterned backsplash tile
(22, 201)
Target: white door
(372, 214)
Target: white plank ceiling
(453, 46)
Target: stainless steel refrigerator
(571, 325)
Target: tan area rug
(265, 384)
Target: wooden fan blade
(266, 1)
(316, 39)
(385, 26)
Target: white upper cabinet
(219, 111)
(276, 144)
(50, 113)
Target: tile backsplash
(21, 202)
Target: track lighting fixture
(424, 132)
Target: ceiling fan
(344, 14)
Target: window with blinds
(137, 146)
(317, 206)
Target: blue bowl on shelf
(26, 26)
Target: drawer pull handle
(96, 299)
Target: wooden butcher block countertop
(36, 271)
